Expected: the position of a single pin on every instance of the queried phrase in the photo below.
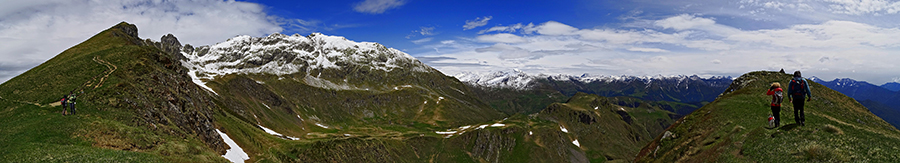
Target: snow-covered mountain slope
(280, 54)
(520, 80)
(503, 79)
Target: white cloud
(426, 31)
(654, 50)
(511, 28)
(422, 31)
(858, 7)
(554, 28)
(424, 40)
(501, 38)
(685, 21)
(377, 6)
(34, 31)
(478, 22)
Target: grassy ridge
(104, 129)
(733, 129)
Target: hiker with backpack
(776, 92)
(70, 100)
(796, 90)
(63, 103)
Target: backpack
(798, 87)
(777, 98)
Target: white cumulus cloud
(501, 38)
(655, 50)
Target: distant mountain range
(893, 86)
(680, 94)
(881, 100)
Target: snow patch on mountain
(270, 131)
(235, 154)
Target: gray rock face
(170, 40)
(169, 44)
(129, 29)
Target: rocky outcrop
(161, 93)
(169, 44)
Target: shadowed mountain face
(733, 128)
(883, 102)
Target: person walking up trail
(796, 90)
(777, 96)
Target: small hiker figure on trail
(71, 101)
(777, 96)
(799, 88)
(63, 103)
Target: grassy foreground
(733, 129)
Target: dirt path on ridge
(110, 69)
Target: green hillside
(608, 133)
(733, 129)
(135, 107)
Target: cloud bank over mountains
(689, 43)
(824, 38)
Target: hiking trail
(110, 69)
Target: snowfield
(270, 131)
(235, 154)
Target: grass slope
(733, 129)
(104, 128)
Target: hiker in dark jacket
(796, 90)
(71, 101)
(777, 96)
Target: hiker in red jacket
(63, 103)
(777, 96)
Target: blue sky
(825, 38)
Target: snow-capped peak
(520, 80)
(280, 54)
(504, 79)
